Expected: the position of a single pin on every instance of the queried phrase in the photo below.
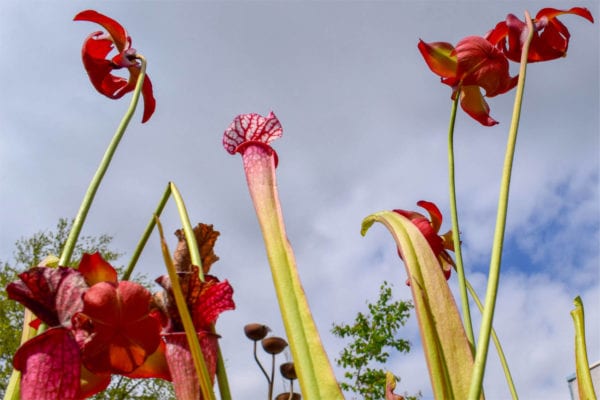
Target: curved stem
(259, 363)
(460, 271)
(67, 252)
(496, 258)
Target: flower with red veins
(550, 39)
(440, 244)
(118, 331)
(252, 130)
(95, 50)
(472, 65)
(53, 364)
(205, 300)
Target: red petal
(91, 383)
(50, 366)
(121, 331)
(155, 365)
(251, 128)
(38, 288)
(472, 103)
(440, 58)
(149, 101)
(481, 64)
(553, 13)
(95, 269)
(212, 302)
(116, 30)
(95, 48)
(434, 214)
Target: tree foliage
(373, 335)
(30, 252)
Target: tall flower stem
(460, 271)
(496, 257)
(67, 252)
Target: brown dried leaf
(206, 237)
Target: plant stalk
(496, 257)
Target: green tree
(372, 335)
(30, 252)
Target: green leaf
(445, 343)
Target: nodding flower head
(252, 129)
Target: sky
(364, 130)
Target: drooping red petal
(96, 269)
(215, 299)
(435, 214)
(553, 13)
(251, 128)
(179, 357)
(38, 287)
(472, 103)
(95, 48)
(122, 333)
(440, 58)
(49, 365)
(116, 30)
(147, 93)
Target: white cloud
(364, 130)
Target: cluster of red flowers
(482, 62)
(98, 326)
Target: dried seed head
(274, 345)
(256, 331)
(288, 371)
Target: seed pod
(256, 331)
(288, 371)
(274, 345)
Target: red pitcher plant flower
(97, 326)
(472, 65)
(95, 50)
(550, 39)
(440, 244)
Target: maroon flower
(440, 244)
(96, 48)
(550, 39)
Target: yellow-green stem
(190, 238)
(460, 271)
(186, 320)
(67, 252)
(496, 257)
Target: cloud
(364, 130)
